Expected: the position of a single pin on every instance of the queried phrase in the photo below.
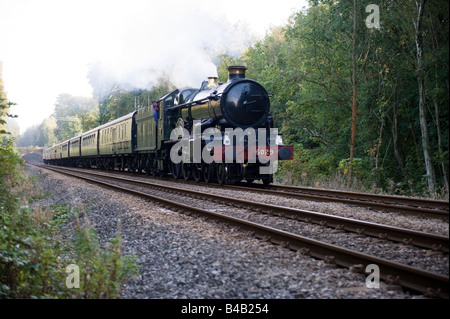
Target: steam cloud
(179, 42)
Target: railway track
(426, 282)
(400, 204)
(429, 208)
(397, 234)
(423, 207)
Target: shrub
(33, 254)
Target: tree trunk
(422, 111)
(354, 104)
(395, 138)
(436, 46)
(438, 128)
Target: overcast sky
(46, 45)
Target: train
(220, 132)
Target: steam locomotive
(221, 132)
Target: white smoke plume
(47, 46)
(176, 39)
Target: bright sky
(46, 45)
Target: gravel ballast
(191, 257)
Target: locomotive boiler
(240, 102)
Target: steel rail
(393, 199)
(408, 205)
(412, 201)
(439, 208)
(397, 234)
(425, 282)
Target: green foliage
(224, 61)
(27, 259)
(307, 66)
(72, 116)
(307, 166)
(10, 162)
(102, 271)
(42, 135)
(33, 257)
(361, 169)
(114, 100)
(34, 246)
(33, 254)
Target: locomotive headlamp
(279, 140)
(226, 139)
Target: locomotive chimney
(236, 72)
(213, 81)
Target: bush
(33, 256)
(10, 163)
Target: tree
(104, 85)
(306, 65)
(73, 115)
(115, 99)
(354, 96)
(439, 75)
(47, 133)
(4, 106)
(422, 103)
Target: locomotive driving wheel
(222, 173)
(267, 179)
(197, 171)
(208, 170)
(175, 170)
(187, 171)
